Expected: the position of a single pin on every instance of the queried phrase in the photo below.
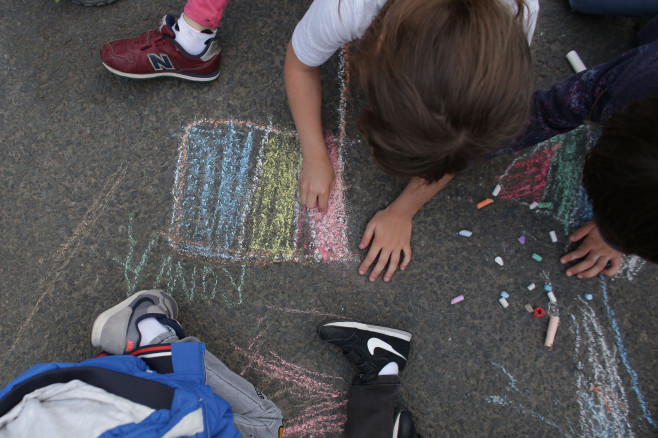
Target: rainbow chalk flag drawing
(235, 197)
(551, 172)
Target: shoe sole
(396, 426)
(96, 329)
(163, 74)
(400, 334)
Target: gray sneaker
(115, 330)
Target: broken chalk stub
(552, 330)
(521, 240)
(576, 63)
(553, 236)
(504, 294)
(503, 302)
(589, 297)
(457, 299)
(466, 233)
(496, 190)
(536, 257)
(499, 260)
(551, 297)
(533, 205)
(531, 286)
(484, 203)
(529, 308)
(545, 205)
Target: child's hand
(392, 232)
(598, 253)
(316, 181)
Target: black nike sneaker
(369, 347)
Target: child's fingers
(367, 235)
(407, 257)
(582, 266)
(323, 201)
(370, 258)
(581, 232)
(615, 266)
(381, 264)
(576, 254)
(392, 265)
(596, 269)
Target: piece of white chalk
(533, 205)
(552, 330)
(553, 236)
(531, 286)
(577, 64)
(499, 260)
(457, 299)
(503, 302)
(496, 190)
(551, 297)
(529, 308)
(465, 233)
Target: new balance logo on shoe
(374, 343)
(160, 62)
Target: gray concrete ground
(104, 191)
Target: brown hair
(621, 179)
(447, 81)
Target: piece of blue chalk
(466, 233)
(504, 294)
(548, 287)
(589, 297)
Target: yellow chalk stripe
(274, 208)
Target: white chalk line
(67, 251)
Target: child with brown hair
(446, 82)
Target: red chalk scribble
(527, 177)
(329, 229)
(318, 397)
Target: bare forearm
(304, 90)
(416, 194)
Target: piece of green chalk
(536, 257)
(545, 205)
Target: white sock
(150, 328)
(390, 369)
(191, 40)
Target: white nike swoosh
(378, 343)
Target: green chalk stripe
(536, 257)
(545, 205)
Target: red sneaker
(156, 53)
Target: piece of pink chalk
(457, 299)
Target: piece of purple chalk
(521, 240)
(457, 299)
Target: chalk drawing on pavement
(552, 172)
(143, 268)
(318, 397)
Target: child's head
(621, 179)
(447, 81)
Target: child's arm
(391, 228)
(304, 90)
(596, 251)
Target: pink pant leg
(206, 12)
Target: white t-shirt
(323, 30)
